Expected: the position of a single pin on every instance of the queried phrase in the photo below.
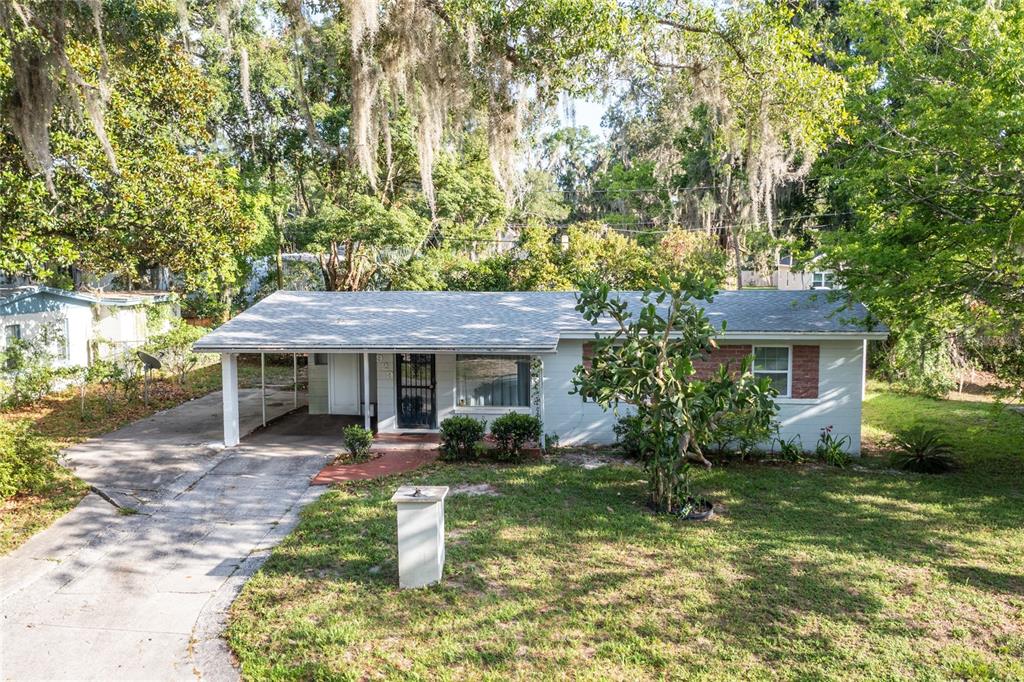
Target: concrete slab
(66, 653)
(101, 595)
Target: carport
(229, 381)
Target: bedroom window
(492, 380)
(775, 363)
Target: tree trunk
(280, 267)
(736, 256)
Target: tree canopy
(431, 144)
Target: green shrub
(832, 450)
(923, 450)
(629, 435)
(174, 348)
(919, 361)
(791, 450)
(460, 438)
(202, 304)
(741, 433)
(28, 462)
(512, 432)
(357, 441)
(27, 371)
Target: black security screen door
(416, 404)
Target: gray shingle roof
(491, 321)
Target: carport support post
(229, 384)
(295, 379)
(263, 388)
(366, 391)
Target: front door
(417, 407)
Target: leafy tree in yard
(648, 363)
(932, 171)
(696, 253)
(594, 249)
(134, 191)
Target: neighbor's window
(319, 358)
(773, 362)
(823, 280)
(492, 380)
(62, 341)
(12, 332)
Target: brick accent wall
(805, 371)
(731, 354)
(805, 364)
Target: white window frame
(789, 365)
(828, 279)
(64, 343)
(495, 408)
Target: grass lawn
(60, 418)
(808, 572)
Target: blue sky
(588, 113)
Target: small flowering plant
(832, 450)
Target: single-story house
(410, 359)
(81, 326)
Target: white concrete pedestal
(420, 534)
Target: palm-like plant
(923, 450)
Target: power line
(507, 240)
(619, 226)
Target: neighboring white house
(812, 276)
(80, 326)
(408, 360)
(785, 278)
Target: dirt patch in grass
(474, 489)
(591, 458)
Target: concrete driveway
(110, 596)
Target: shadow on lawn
(561, 544)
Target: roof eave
(303, 350)
(762, 335)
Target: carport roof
(495, 322)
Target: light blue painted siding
(65, 316)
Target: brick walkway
(398, 453)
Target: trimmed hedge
(460, 438)
(512, 432)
